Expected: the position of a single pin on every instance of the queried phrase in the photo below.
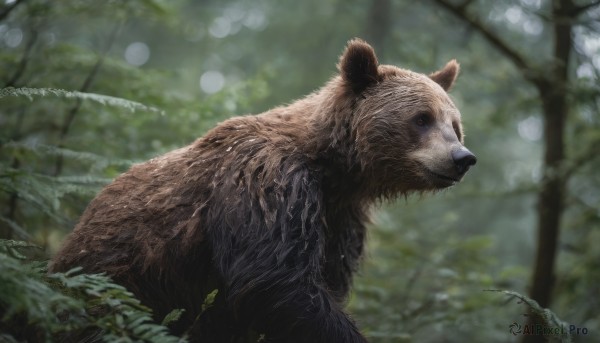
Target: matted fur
(268, 209)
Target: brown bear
(270, 210)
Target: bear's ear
(358, 65)
(446, 76)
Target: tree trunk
(553, 93)
(552, 85)
(378, 25)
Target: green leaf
(172, 316)
(210, 299)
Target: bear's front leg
(272, 271)
(285, 300)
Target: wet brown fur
(269, 209)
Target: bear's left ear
(446, 76)
(358, 65)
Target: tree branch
(84, 88)
(24, 60)
(465, 4)
(580, 9)
(461, 12)
(6, 11)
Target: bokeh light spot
(137, 54)
(212, 81)
(530, 128)
(13, 37)
(220, 27)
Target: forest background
(91, 87)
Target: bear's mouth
(441, 180)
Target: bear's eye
(423, 119)
(457, 130)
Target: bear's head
(406, 130)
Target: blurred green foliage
(198, 62)
(40, 308)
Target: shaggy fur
(271, 209)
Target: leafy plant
(39, 307)
(548, 318)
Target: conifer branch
(493, 38)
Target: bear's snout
(463, 159)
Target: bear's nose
(463, 159)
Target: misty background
(526, 218)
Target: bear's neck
(320, 124)
(329, 141)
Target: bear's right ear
(446, 76)
(358, 65)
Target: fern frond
(74, 306)
(99, 98)
(11, 248)
(44, 192)
(24, 295)
(34, 192)
(97, 161)
(19, 231)
(125, 318)
(549, 318)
